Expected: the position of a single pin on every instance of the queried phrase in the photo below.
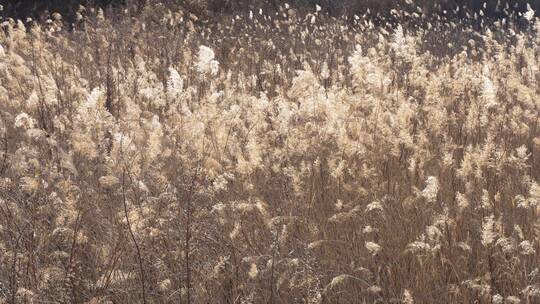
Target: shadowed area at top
(490, 8)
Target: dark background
(37, 8)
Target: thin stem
(137, 248)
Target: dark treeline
(42, 8)
(67, 8)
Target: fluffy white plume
(205, 61)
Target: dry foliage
(269, 158)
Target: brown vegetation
(283, 158)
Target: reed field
(270, 156)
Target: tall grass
(269, 157)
